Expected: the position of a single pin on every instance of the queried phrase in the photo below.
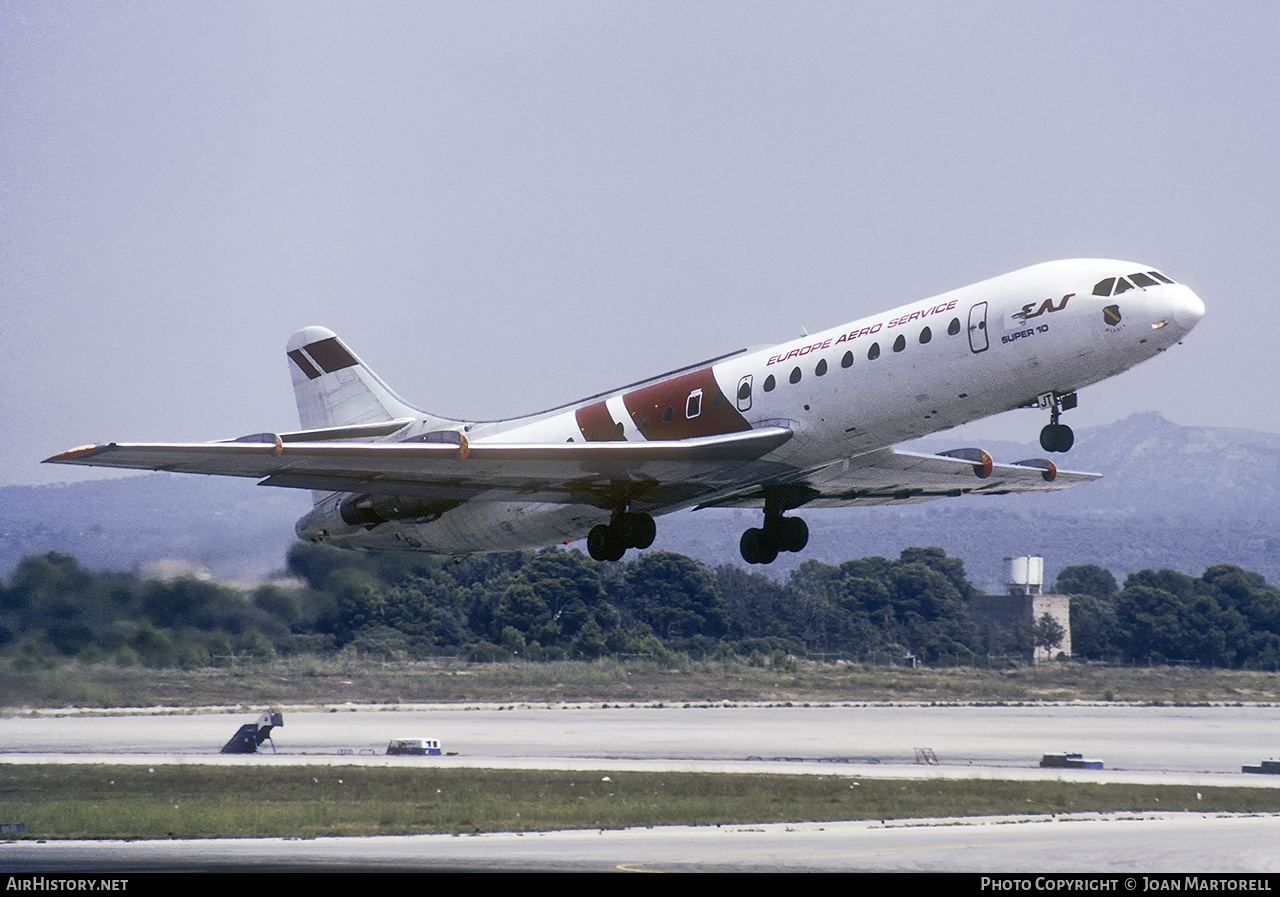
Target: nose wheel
(1057, 437)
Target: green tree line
(560, 604)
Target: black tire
(794, 534)
(1057, 438)
(1066, 438)
(640, 530)
(757, 547)
(598, 542)
(616, 544)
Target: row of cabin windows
(873, 352)
(1111, 286)
(1114, 286)
(693, 405)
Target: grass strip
(126, 802)
(315, 681)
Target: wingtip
(70, 456)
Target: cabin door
(978, 327)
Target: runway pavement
(1195, 745)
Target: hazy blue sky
(505, 206)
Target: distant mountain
(1152, 465)
(238, 530)
(1171, 496)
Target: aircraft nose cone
(1188, 309)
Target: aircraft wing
(718, 471)
(890, 476)
(651, 474)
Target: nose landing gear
(1057, 437)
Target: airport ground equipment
(417, 747)
(1068, 761)
(1267, 768)
(250, 735)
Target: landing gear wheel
(610, 541)
(757, 547)
(793, 534)
(639, 530)
(761, 546)
(1057, 438)
(604, 543)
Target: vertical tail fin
(334, 388)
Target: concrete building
(1010, 621)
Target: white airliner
(808, 423)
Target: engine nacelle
(370, 510)
(982, 462)
(344, 514)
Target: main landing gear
(1057, 437)
(760, 545)
(610, 541)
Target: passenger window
(954, 327)
(769, 383)
(643, 423)
(795, 375)
(821, 368)
(874, 352)
(847, 361)
(900, 343)
(718, 400)
(925, 336)
(669, 415)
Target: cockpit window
(1114, 286)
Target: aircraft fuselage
(1038, 334)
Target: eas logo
(1047, 305)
